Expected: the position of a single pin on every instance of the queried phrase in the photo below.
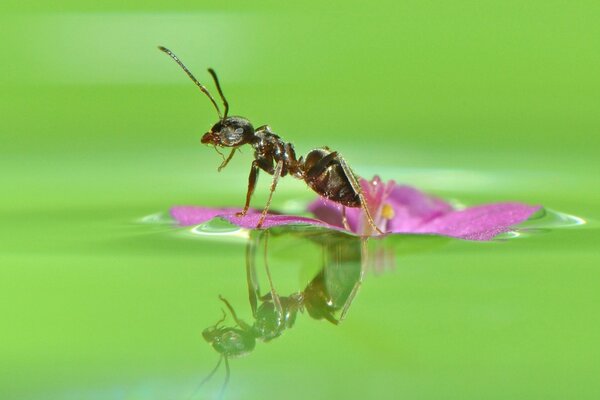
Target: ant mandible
(323, 170)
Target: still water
(139, 308)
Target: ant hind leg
(364, 260)
(356, 186)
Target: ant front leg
(252, 280)
(238, 321)
(274, 295)
(251, 186)
(226, 160)
(276, 176)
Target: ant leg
(226, 161)
(238, 321)
(345, 219)
(274, 295)
(251, 185)
(321, 165)
(253, 286)
(221, 320)
(364, 259)
(276, 176)
(356, 186)
(264, 128)
(207, 378)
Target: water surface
(473, 104)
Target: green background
(473, 100)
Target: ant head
(230, 132)
(231, 342)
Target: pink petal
(191, 215)
(414, 212)
(480, 222)
(326, 211)
(251, 220)
(413, 208)
(420, 204)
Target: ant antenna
(210, 375)
(227, 375)
(225, 104)
(202, 88)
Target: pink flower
(395, 209)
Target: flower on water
(395, 209)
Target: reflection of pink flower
(395, 209)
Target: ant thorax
(269, 150)
(266, 141)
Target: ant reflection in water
(328, 295)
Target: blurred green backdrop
(474, 100)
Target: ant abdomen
(325, 174)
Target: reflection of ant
(323, 170)
(330, 291)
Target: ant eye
(217, 127)
(233, 136)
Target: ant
(330, 291)
(324, 171)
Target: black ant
(324, 171)
(330, 291)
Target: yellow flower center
(387, 212)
